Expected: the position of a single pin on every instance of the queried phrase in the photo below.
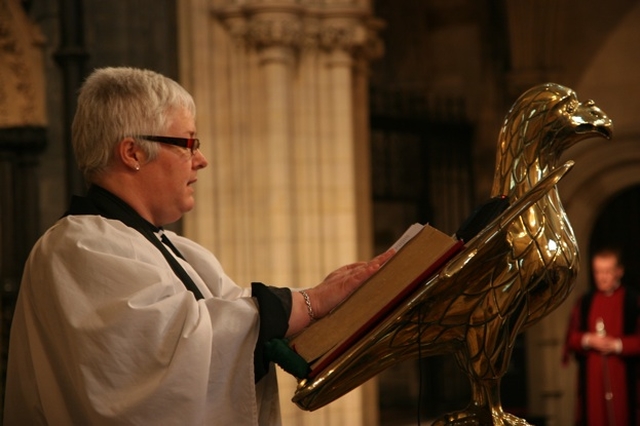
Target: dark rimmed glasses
(193, 144)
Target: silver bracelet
(307, 302)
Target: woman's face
(171, 175)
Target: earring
(137, 167)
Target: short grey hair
(115, 103)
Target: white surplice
(105, 333)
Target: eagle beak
(588, 118)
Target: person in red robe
(604, 337)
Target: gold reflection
(512, 274)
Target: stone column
(23, 122)
(285, 199)
(275, 34)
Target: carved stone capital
(340, 35)
(274, 31)
(350, 29)
(263, 25)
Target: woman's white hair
(115, 103)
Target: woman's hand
(332, 290)
(342, 282)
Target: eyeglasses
(192, 144)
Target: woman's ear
(130, 153)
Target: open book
(421, 251)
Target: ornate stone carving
(286, 32)
(303, 26)
(21, 69)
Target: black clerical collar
(101, 202)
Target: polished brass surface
(508, 277)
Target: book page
(411, 232)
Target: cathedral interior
(395, 105)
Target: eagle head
(542, 123)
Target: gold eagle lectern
(509, 276)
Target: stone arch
(602, 170)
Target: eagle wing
(468, 292)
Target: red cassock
(608, 385)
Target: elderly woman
(121, 322)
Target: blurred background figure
(604, 338)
